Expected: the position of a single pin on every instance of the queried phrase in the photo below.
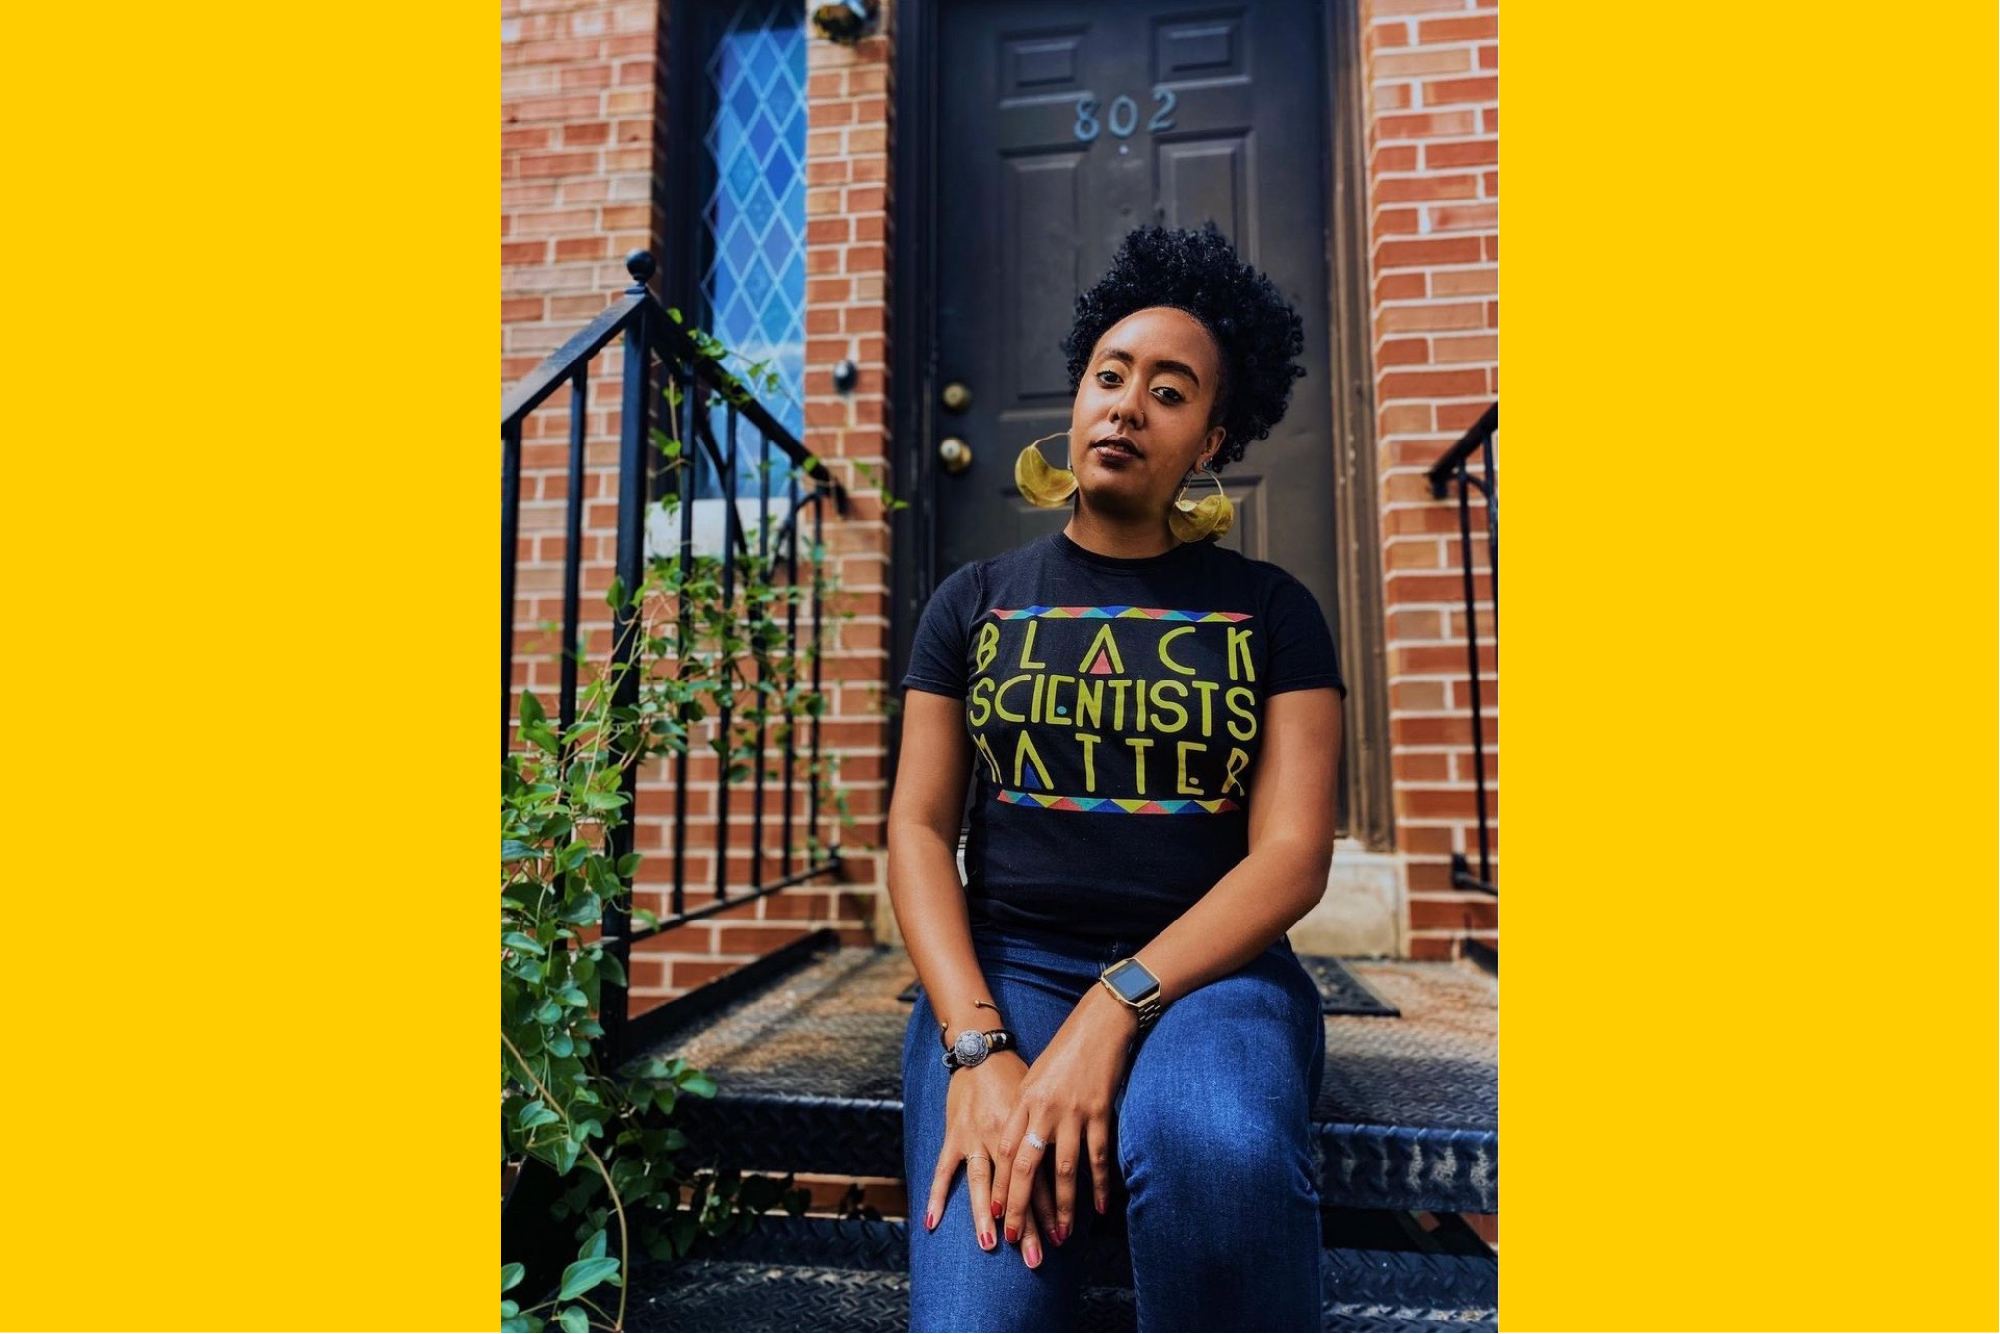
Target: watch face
(1131, 981)
(970, 1047)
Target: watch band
(1148, 1007)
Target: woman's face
(1150, 386)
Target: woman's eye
(1107, 377)
(1169, 389)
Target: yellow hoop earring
(1043, 485)
(1195, 521)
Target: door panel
(1063, 125)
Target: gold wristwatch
(1136, 987)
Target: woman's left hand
(1066, 1101)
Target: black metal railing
(657, 348)
(1455, 469)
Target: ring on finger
(970, 1156)
(1035, 1141)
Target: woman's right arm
(929, 901)
(924, 889)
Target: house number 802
(1122, 117)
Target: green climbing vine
(609, 1133)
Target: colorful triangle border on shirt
(1114, 613)
(1120, 805)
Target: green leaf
(509, 1309)
(595, 1247)
(536, 1113)
(586, 1274)
(524, 943)
(549, 1013)
(574, 1320)
(565, 1151)
(514, 850)
(531, 709)
(697, 1084)
(571, 995)
(629, 863)
(511, 1275)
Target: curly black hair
(1256, 333)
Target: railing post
(1472, 666)
(627, 621)
(819, 651)
(510, 537)
(1454, 469)
(725, 719)
(684, 643)
(579, 420)
(791, 651)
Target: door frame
(913, 375)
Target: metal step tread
(819, 1274)
(810, 1073)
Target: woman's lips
(1111, 451)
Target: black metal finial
(640, 265)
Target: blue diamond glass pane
(756, 284)
(762, 65)
(762, 135)
(753, 216)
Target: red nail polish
(930, 1219)
(998, 1209)
(1062, 1233)
(1013, 1234)
(986, 1240)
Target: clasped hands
(996, 1111)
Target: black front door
(1061, 126)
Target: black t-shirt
(1115, 706)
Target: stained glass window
(753, 267)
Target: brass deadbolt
(957, 398)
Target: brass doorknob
(956, 454)
(957, 397)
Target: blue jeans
(1213, 1145)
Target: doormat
(1340, 991)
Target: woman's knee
(1209, 1139)
(1219, 1088)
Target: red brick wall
(1431, 71)
(582, 147)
